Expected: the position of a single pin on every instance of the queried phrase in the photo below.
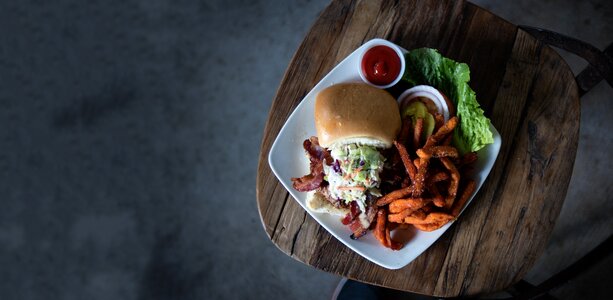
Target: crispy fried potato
(437, 152)
(391, 243)
(420, 178)
(419, 127)
(419, 214)
(424, 153)
(438, 177)
(406, 182)
(397, 194)
(382, 231)
(429, 227)
(406, 160)
(434, 217)
(437, 198)
(455, 181)
(399, 217)
(379, 231)
(409, 203)
(430, 196)
(468, 190)
(442, 132)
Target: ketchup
(381, 65)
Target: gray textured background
(129, 137)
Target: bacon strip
(317, 156)
(356, 225)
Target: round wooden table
(527, 91)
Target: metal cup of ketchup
(382, 63)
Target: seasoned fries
(419, 126)
(434, 217)
(433, 191)
(406, 160)
(458, 205)
(409, 203)
(397, 194)
(442, 133)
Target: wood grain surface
(526, 89)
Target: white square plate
(287, 159)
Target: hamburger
(354, 123)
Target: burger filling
(354, 174)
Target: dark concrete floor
(130, 132)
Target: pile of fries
(434, 186)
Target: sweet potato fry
(379, 231)
(417, 132)
(455, 181)
(394, 195)
(406, 160)
(438, 177)
(406, 182)
(416, 162)
(445, 151)
(438, 152)
(442, 132)
(430, 226)
(420, 178)
(437, 198)
(468, 190)
(434, 217)
(409, 203)
(419, 214)
(427, 209)
(399, 217)
(431, 195)
(382, 231)
(424, 153)
(390, 225)
(392, 244)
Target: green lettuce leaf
(427, 66)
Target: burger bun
(356, 113)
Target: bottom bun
(317, 202)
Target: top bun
(356, 113)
